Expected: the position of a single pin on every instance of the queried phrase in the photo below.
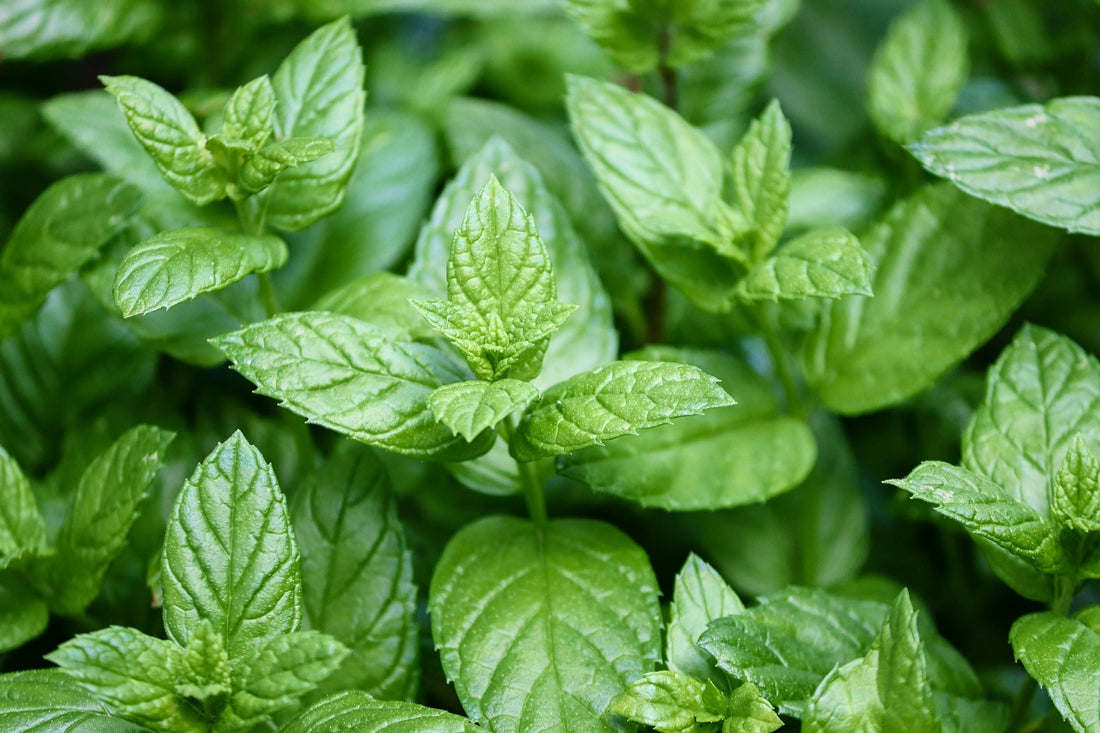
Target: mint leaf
(357, 573)
(1039, 161)
(825, 263)
(260, 169)
(170, 135)
(55, 29)
(699, 596)
(229, 556)
(318, 93)
(830, 197)
(202, 667)
(103, 509)
(23, 613)
(663, 179)
(468, 408)
(670, 702)
(749, 712)
(887, 689)
(182, 264)
(760, 165)
(22, 527)
(249, 114)
(617, 399)
(358, 711)
(951, 269)
(918, 71)
(46, 701)
(1064, 656)
(332, 369)
(1075, 498)
(382, 300)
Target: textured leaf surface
(918, 71)
(22, 527)
(357, 711)
(762, 179)
(229, 555)
(249, 114)
(353, 378)
(540, 629)
(1040, 161)
(357, 574)
(318, 93)
(948, 271)
(825, 263)
(617, 399)
(468, 408)
(1075, 495)
(47, 701)
(259, 170)
(1064, 656)
(699, 596)
(749, 712)
(181, 264)
(670, 702)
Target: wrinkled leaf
(699, 596)
(1064, 656)
(468, 408)
(825, 263)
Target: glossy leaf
(1064, 656)
(1075, 495)
(670, 702)
(749, 712)
(825, 263)
(358, 711)
(468, 408)
(699, 596)
(761, 179)
(46, 701)
(260, 169)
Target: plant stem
(267, 294)
(780, 362)
(529, 480)
(670, 79)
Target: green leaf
(730, 456)
(260, 169)
(617, 399)
(949, 271)
(382, 300)
(918, 71)
(357, 573)
(761, 178)
(170, 135)
(47, 701)
(103, 509)
(202, 668)
(23, 613)
(749, 712)
(1064, 656)
(830, 197)
(885, 690)
(318, 93)
(1075, 499)
(663, 179)
(333, 369)
(535, 634)
(250, 113)
(229, 555)
(825, 263)
(670, 702)
(41, 30)
(22, 527)
(354, 710)
(699, 596)
(182, 264)
(130, 672)
(468, 408)
(1039, 161)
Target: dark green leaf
(22, 528)
(23, 614)
(49, 701)
(1064, 656)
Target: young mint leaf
(249, 114)
(617, 399)
(354, 710)
(103, 509)
(229, 556)
(825, 263)
(468, 408)
(318, 93)
(1075, 499)
(357, 573)
(730, 456)
(1064, 656)
(182, 264)
(202, 667)
(663, 178)
(760, 167)
(749, 712)
(23, 613)
(951, 269)
(918, 71)
(1039, 161)
(885, 690)
(129, 671)
(259, 170)
(334, 369)
(670, 702)
(22, 527)
(47, 701)
(382, 300)
(699, 596)
(170, 135)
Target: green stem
(267, 294)
(781, 363)
(529, 480)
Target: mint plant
(578, 381)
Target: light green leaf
(1064, 656)
(533, 632)
(202, 667)
(260, 169)
(182, 264)
(918, 71)
(468, 408)
(830, 197)
(965, 715)
(948, 270)
(886, 690)
(749, 712)
(617, 399)
(699, 596)
(22, 527)
(1075, 499)
(48, 701)
(730, 456)
(663, 179)
(41, 30)
(986, 510)
(229, 555)
(357, 574)
(825, 263)
(354, 710)
(318, 93)
(250, 113)
(1039, 161)
(23, 613)
(170, 135)
(382, 300)
(103, 509)
(334, 369)
(670, 702)
(130, 672)
(761, 178)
